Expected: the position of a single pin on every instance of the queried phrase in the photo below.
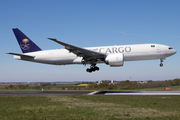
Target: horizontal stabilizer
(21, 55)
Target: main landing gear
(93, 68)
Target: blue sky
(89, 23)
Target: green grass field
(89, 107)
(160, 88)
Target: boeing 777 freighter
(110, 55)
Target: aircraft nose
(171, 51)
(174, 51)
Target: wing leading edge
(81, 52)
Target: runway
(79, 93)
(135, 93)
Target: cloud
(125, 33)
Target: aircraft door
(159, 49)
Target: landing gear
(161, 60)
(161, 65)
(93, 68)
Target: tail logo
(24, 44)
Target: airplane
(110, 55)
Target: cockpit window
(170, 48)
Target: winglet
(26, 44)
(53, 39)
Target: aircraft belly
(64, 61)
(55, 61)
(144, 56)
(55, 58)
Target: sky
(89, 23)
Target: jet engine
(115, 60)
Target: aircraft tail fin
(26, 44)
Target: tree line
(122, 85)
(131, 85)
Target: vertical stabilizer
(26, 44)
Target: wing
(81, 52)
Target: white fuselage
(130, 52)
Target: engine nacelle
(115, 60)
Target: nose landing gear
(161, 64)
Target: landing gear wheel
(96, 68)
(161, 65)
(92, 69)
(89, 70)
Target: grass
(61, 85)
(89, 107)
(161, 88)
